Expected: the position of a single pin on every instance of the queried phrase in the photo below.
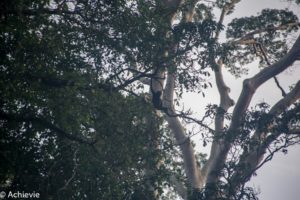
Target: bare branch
(225, 103)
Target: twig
(269, 64)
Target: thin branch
(283, 93)
(224, 12)
(249, 36)
(144, 80)
(73, 172)
(221, 19)
(132, 80)
(199, 122)
(268, 63)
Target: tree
(88, 89)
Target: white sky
(280, 178)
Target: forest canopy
(91, 97)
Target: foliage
(75, 117)
(53, 89)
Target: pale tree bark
(170, 7)
(192, 169)
(163, 85)
(162, 98)
(250, 85)
(210, 169)
(249, 88)
(218, 142)
(252, 158)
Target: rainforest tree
(89, 95)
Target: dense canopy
(91, 92)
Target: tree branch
(283, 93)
(191, 167)
(250, 85)
(285, 102)
(224, 12)
(250, 159)
(225, 103)
(249, 36)
(249, 88)
(295, 131)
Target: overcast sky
(280, 178)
